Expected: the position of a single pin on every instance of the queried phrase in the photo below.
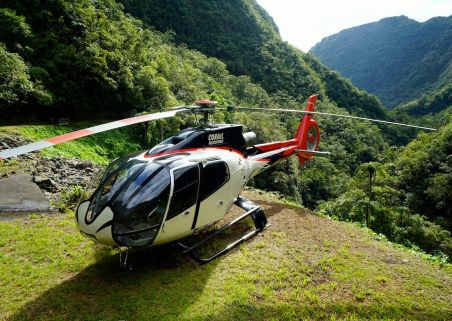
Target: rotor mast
(205, 107)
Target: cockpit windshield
(113, 166)
(138, 193)
(115, 174)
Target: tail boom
(304, 145)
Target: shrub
(70, 198)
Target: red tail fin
(308, 133)
(306, 139)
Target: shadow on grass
(163, 285)
(231, 234)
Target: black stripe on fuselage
(109, 223)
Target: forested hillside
(430, 103)
(410, 181)
(396, 58)
(244, 36)
(90, 60)
(83, 58)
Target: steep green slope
(344, 93)
(432, 109)
(242, 34)
(395, 58)
(238, 32)
(429, 103)
(86, 59)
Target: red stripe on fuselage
(186, 150)
(70, 136)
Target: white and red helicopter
(187, 182)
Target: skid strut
(260, 222)
(124, 258)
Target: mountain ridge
(396, 58)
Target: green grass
(100, 148)
(303, 267)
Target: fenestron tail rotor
(88, 131)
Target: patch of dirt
(312, 239)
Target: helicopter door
(182, 208)
(214, 195)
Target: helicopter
(187, 182)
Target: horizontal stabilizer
(311, 151)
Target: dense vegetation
(418, 180)
(395, 58)
(89, 59)
(84, 58)
(247, 40)
(411, 202)
(429, 103)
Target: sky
(304, 23)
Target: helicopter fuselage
(180, 186)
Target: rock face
(52, 175)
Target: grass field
(303, 267)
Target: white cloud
(304, 23)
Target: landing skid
(251, 209)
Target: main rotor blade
(333, 115)
(86, 132)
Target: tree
(16, 88)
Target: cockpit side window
(214, 175)
(185, 193)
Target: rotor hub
(205, 107)
(205, 102)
